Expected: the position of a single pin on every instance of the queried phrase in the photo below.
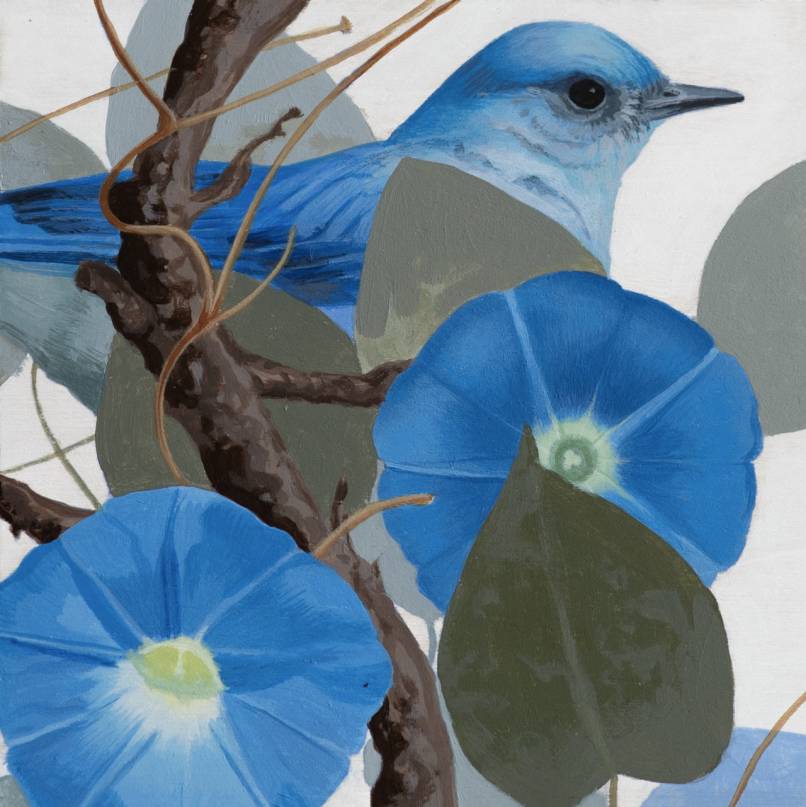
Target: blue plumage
(518, 114)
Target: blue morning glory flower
(625, 397)
(173, 650)
(778, 781)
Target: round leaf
(325, 440)
(753, 296)
(439, 238)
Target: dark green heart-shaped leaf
(753, 296)
(441, 237)
(578, 646)
(325, 440)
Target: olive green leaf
(441, 237)
(325, 440)
(753, 296)
(578, 646)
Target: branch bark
(216, 389)
(278, 381)
(27, 511)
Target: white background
(673, 204)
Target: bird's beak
(674, 99)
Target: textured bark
(216, 388)
(278, 381)
(27, 511)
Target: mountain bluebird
(552, 113)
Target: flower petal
(219, 551)
(703, 511)
(46, 601)
(171, 774)
(43, 689)
(478, 354)
(455, 436)
(293, 756)
(437, 538)
(653, 347)
(570, 319)
(779, 779)
(715, 418)
(74, 761)
(124, 548)
(303, 622)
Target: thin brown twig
(765, 744)
(313, 70)
(344, 26)
(166, 116)
(265, 283)
(235, 175)
(302, 129)
(359, 517)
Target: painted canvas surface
(402, 403)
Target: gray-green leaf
(579, 646)
(441, 237)
(325, 440)
(10, 793)
(753, 296)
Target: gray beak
(674, 99)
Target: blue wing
(331, 200)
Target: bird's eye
(587, 93)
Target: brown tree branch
(278, 381)
(135, 319)
(27, 511)
(217, 397)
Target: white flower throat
(581, 452)
(182, 668)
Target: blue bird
(551, 113)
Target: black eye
(587, 93)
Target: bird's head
(573, 91)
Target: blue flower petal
(454, 435)
(686, 428)
(653, 347)
(48, 602)
(484, 339)
(706, 508)
(200, 773)
(124, 547)
(571, 350)
(44, 688)
(569, 320)
(75, 762)
(437, 538)
(778, 781)
(293, 756)
(217, 551)
(275, 631)
(297, 654)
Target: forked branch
(214, 393)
